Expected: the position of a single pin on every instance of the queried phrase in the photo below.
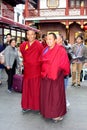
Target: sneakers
(73, 85)
(78, 85)
(9, 91)
(67, 104)
(25, 110)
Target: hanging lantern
(82, 26)
(85, 27)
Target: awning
(16, 24)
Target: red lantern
(85, 27)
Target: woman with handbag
(11, 61)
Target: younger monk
(31, 50)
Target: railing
(55, 12)
(52, 12)
(74, 12)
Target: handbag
(85, 77)
(81, 75)
(2, 58)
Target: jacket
(10, 54)
(83, 51)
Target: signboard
(7, 10)
(36, 21)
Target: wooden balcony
(56, 12)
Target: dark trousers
(10, 72)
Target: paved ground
(11, 117)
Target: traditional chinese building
(68, 17)
(7, 24)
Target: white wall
(18, 9)
(43, 4)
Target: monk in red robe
(31, 50)
(55, 65)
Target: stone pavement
(12, 118)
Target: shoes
(78, 85)
(67, 104)
(74, 84)
(25, 110)
(58, 119)
(9, 91)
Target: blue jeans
(66, 82)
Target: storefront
(17, 30)
(10, 27)
(7, 24)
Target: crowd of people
(47, 67)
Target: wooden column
(82, 13)
(67, 8)
(67, 30)
(82, 24)
(26, 10)
(82, 8)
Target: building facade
(11, 21)
(68, 17)
(18, 13)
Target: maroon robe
(55, 65)
(32, 70)
(44, 44)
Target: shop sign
(36, 21)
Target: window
(18, 16)
(6, 31)
(85, 3)
(77, 3)
(18, 36)
(22, 21)
(52, 3)
(13, 33)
